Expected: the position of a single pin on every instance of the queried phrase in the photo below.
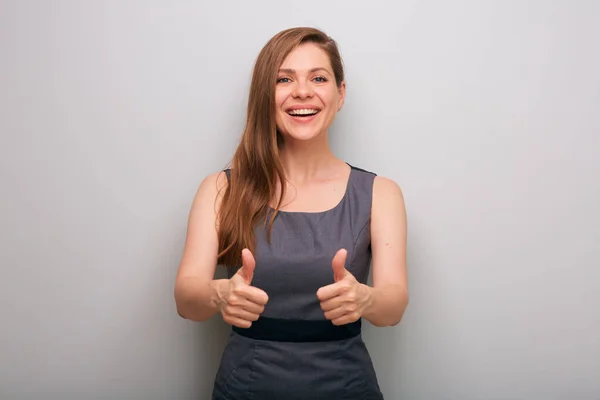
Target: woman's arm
(389, 293)
(197, 294)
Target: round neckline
(339, 203)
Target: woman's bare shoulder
(387, 195)
(214, 182)
(211, 188)
(386, 186)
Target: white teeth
(303, 111)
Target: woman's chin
(302, 135)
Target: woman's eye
(283, 80)
(320, 79)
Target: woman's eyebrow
(293, 71)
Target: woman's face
(306, 95)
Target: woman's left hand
(345, 300)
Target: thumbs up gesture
(345, 300)
(242, 303)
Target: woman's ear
(342, 95)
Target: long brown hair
(256, 165)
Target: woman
(298, 229)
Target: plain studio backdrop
(486, 113)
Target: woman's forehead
(305, 58)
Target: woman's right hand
(242, 303)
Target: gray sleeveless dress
(293, 352)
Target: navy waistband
(293, 330)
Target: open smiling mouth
(303, 112)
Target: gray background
(485, 112)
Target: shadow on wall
(212, 335)
(384, 348)
(386, 345)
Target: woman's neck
(305, 160)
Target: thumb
(248, 264)
(339, 265)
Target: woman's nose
(302, 90)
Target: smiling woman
(298, 230)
